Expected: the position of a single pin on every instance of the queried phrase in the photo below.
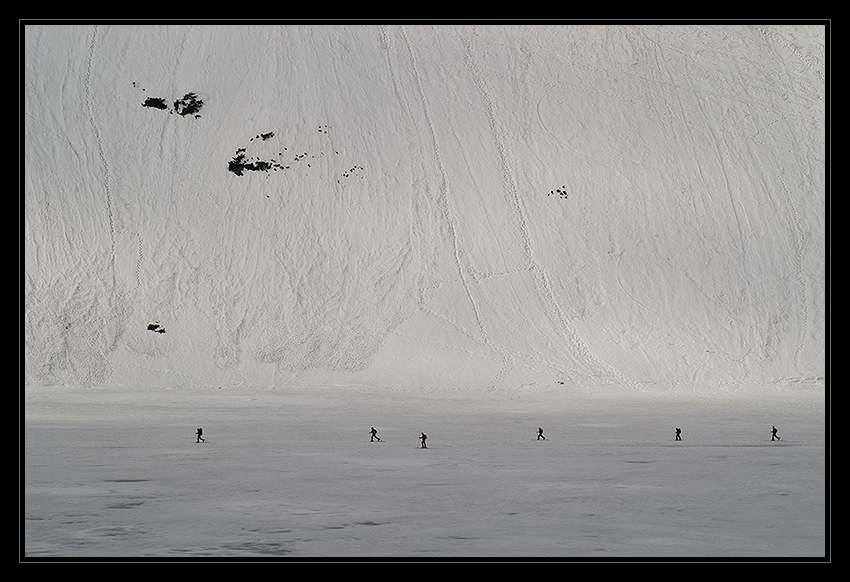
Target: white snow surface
(607, 231)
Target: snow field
(405, 210)
(471, 231)
(297, 477)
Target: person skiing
(422, 438)
(678, 434)
(540, 434)
(200, 433)
(773, 434)
(374, 434)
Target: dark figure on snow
(678, 434)
(540, 434)
(773, 435)
(422, 438)
(200, 433)
(374, 434)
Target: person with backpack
(773, 434)
(374, 434)
(200, 433)
(422, 438)
(540, 434)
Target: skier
(200, 433)
(773, 434)
(678, 434)
(374, 434)
(422, 438)
(540, 434)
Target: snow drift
(429, 207)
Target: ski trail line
(541, 281)
(800, 240)
(444, 186)
(110, 204)
(99, 143)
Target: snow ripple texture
(394, 219)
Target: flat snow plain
(113, 473)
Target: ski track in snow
(464, 269)
(98, 140)
(538, 273)
(444, 186)
(462, 265)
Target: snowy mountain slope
(431, 207)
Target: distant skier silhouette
(773, 435)
(200, 433)
(423, 437)
(540, 434)
(678, 434)
(374, 434)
